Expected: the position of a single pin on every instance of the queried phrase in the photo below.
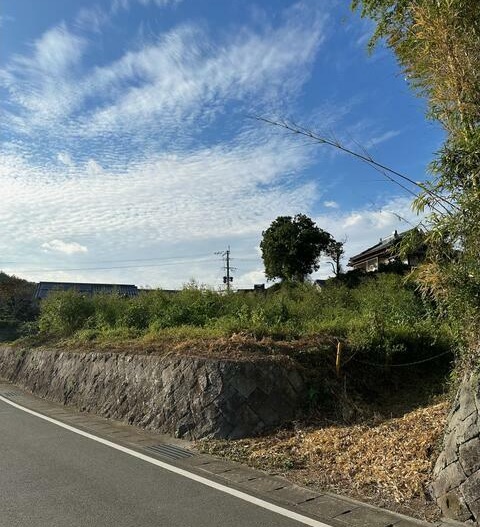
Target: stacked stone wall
(185, 396)
(456, 477)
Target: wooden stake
(338, 361)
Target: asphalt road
(52, 477)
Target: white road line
(185, 473)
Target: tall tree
(16, 299)
(335, 252)
(291, 247)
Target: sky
(130, 151)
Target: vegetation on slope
(381, 317)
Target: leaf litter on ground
(386, 462)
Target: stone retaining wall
(456, 477)
(184, 396)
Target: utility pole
(227, 279)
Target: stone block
(469, 456)
(474, 507)
(441, 462)
(466, 400)
(468, 429)
(453, 506)
(471, 488)
(450, 448)
(449, 478)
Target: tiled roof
(381, 247)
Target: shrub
(64, 312)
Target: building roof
(43, 289)
(382, 247)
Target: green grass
(380, 316)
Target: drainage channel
(170, 451)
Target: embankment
(186, 396)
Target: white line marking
(185, 473)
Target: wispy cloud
(41, 85)
(205, 197)
(91, 19)
(116, 5)
(134, 155)
(4, 19)
(381, 138)
(331, 204)
(64, 247)
(180, 78)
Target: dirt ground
(387, 462)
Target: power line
(196, 256)
(108, 268)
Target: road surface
(53, 477)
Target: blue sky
(129, 152)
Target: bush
(65, 312)
(381, 316)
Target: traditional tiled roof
(382, 247)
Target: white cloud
(205, 199)
(93, 168)
(64, 247)
(54, 52)
(42, 85)
(65, 158)
(381, 138)
(166, 85)
(257, 276)
(125, 4)
(91, 19)
(123, 167)
(331, 204)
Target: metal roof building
(43, 289)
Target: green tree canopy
(16, 298)
(291, 247)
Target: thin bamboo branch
(387, 172)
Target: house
(384, 253)
(257, 288)
(43, 289)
